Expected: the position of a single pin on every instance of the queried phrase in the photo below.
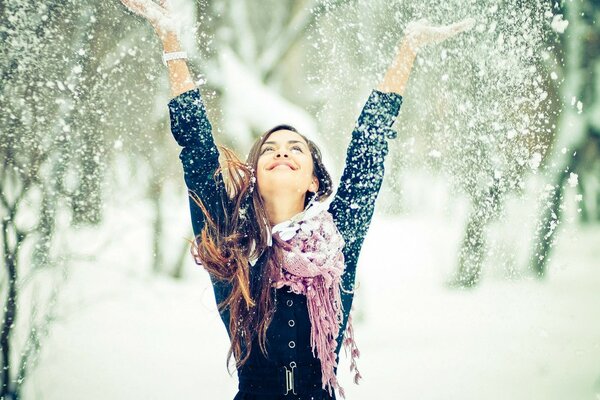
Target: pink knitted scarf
(312, 265)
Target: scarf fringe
(312, 265)
(350, 345)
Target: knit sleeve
(199, 155)
(354, 202)
(200, 159)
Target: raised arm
(396, 76)
(160, 17)
(189, 121)
(190, 127)
(180, 79)
(354, 202)
(416, 35)
(363, 173)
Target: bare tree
(54, 104)
(576, 148)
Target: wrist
(170, 42)
(408, 46)
(174, 55)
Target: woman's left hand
(417, 35)
(421, 33)
(158, 14)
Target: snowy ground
(127, 335)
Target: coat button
(292, 344)
(289, 303)
(291, 323)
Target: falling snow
(558, 24)
(490, 168)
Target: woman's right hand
(158, 14)
(162, 20)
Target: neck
(283, 208)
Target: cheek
(259, 170)
(259, 177)
(308, 166)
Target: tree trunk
(87, 200)
(573, 131)
(180, 262)
(545, 234)
(547, 227)
(157, 225)
(472, 250)
(10, 309)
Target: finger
(448, 31)
(166, 4)
(465, 24)
(418, 24)
(438, 33)
(145, 8)
(135, 6)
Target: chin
(282, 189)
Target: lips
(277, 163)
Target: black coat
(288, 336)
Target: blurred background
(480, 275)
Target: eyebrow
(289, 142)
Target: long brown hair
(225, 246)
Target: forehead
(283, 136)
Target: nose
(280, 152)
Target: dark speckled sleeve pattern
(199, 155)
(354, 202)
(200, 159)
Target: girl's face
(285, 165)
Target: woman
(282, 262)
